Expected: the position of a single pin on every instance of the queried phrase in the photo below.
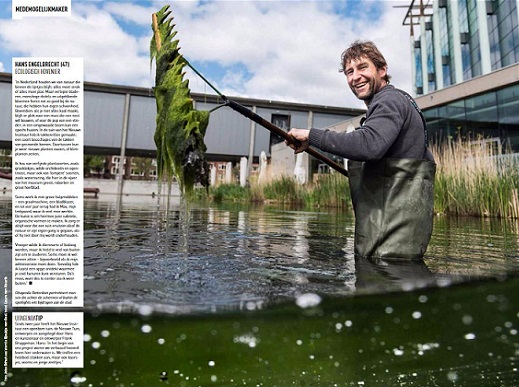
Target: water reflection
(377, 275)
(207, 258)
(244, 257)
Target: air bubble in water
(467, 319)
(308, 300)
(247, 339)
(470, 336)
(452, 376)
(163, 376)
(398, 351)
(145, 310)
(76, 379)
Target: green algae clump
(180, 131)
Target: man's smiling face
(364, 78)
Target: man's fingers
(297, 145)
(292, 144)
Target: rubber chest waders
(393, 201)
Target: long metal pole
(268, 125)
(280, 132)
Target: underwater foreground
(456, 336)
(272, 296)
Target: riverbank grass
(329, 190)
(472, 179)
(476, 179)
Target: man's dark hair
(359, 49)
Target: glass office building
(491, 117)
(456, 42)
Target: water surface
(272, 296)
(227, 257)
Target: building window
(117, 160)
(282, 121)
(323, 168)
(418, 71)
(508, 108)
(136, 172)
(5, 159)
(116, 164)
(490, 119)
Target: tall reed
(474, 179)
(284, 190)
(227, 192)
(471, 180)
(330, 190)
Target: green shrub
(229, 192)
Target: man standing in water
(391, 170)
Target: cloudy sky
(275, 50)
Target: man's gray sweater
(393, 129)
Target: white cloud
(130, 12)
(2, 68)
(110, 54)
(289, 49)
(234, 80)
(292, 49)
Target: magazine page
(46, 282)
(47, 261)
(343, 229)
